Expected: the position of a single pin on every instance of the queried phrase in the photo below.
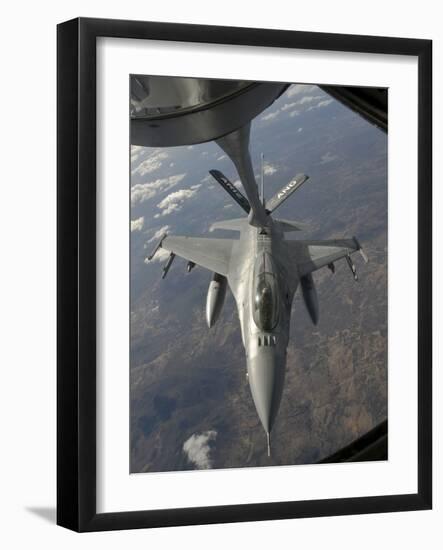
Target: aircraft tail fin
(230, 188)
(286, 192)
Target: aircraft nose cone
(266, 372)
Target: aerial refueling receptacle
(215, 298)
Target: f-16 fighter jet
(263, 271)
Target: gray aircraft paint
(286, 262)
(178, 111)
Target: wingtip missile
(157, 246)
(352, 267)
(363, 255)
(360, 249)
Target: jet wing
(313, 255)
(213, 254)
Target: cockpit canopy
(266, 303)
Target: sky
(190, 407)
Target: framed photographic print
(244, 274)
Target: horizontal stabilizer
(230, 225)
(231, 189)
(286, 192)
(287, 225)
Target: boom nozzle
(268, 440)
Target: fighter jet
(263, 271)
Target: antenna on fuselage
(262, 172)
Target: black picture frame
(76, 278)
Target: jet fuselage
(263, 291)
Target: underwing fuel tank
(310, 297)
(215, 298)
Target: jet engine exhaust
(215, 298)
(310, 297)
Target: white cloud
(142, 192)
(287, 106)
(159, 233)
(309, 99)
(299, 92)
(152, 163)
(271, 116)
(197, 449)
(300, 129)
(136, 151)
(328, 157)
(323, 103)
(137, 225)
(269, 169)
(174, 201)
(297, 89)
(309, 102)
(160, 256)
